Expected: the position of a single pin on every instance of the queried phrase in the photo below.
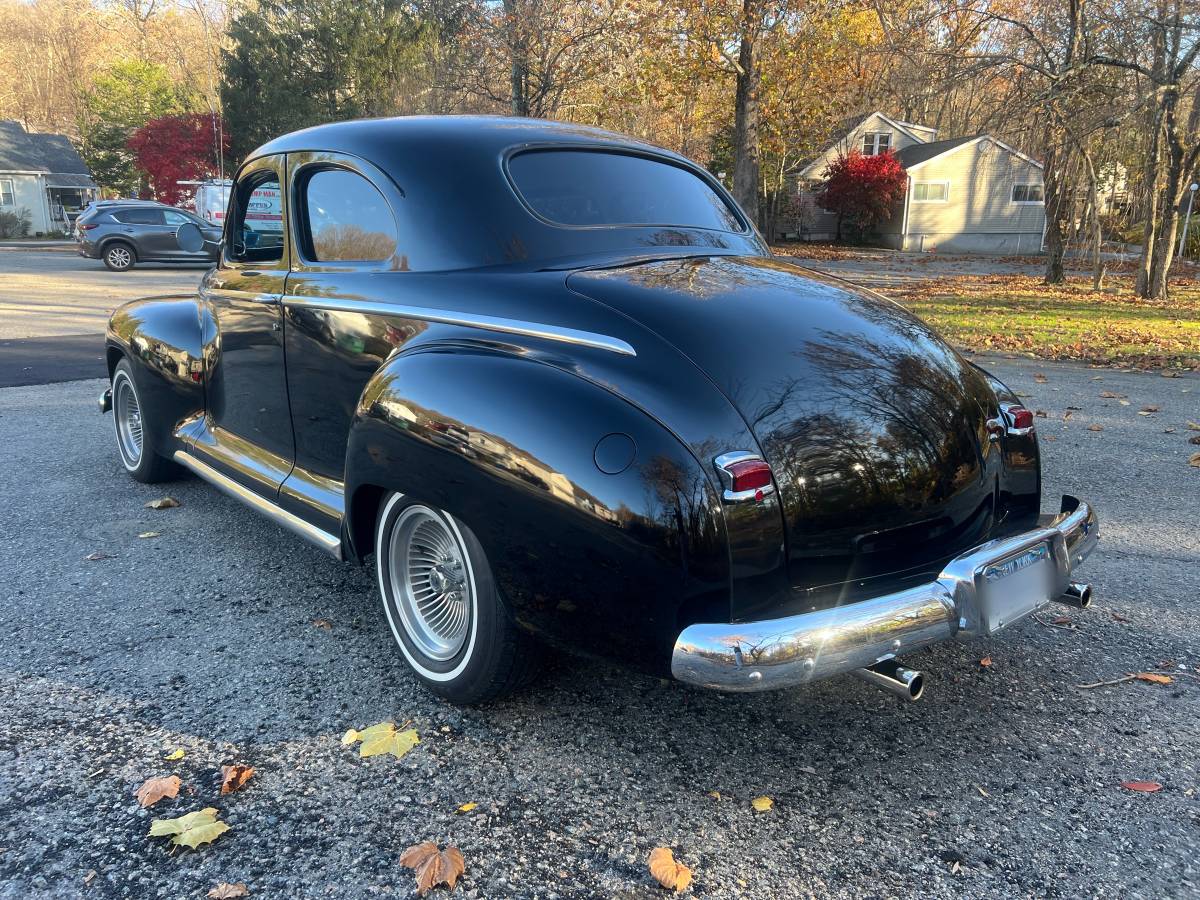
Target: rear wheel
(118, 256)
(135, 443)
(447, 618)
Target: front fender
(603, 531)
(162, 337)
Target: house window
(876, 142)
(1027, 193)
(7, 198)
(931, 191)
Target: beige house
(965, 195)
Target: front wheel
(135, 442)
(445, 613)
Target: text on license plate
(1015, 587)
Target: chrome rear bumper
(779, 653)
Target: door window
(139, 216)
(257, 227)
(176, 218)
(346, 219)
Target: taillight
(746, 476)
(88, 227)
(1018, 418)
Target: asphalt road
(1005, 781)
(54, 305)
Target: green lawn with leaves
(1017, 313)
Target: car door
(173, 219)
(247, 432)
(146, 228)
(338, 327)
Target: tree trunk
(519, 68)
(1054, 200)
(746, 115)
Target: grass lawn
(1017, 313)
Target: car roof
(494, 134)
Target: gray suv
(122, 234)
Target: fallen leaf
(191, 830)
(1095, 428)
(1062, 620)
(986, 661)
(177, 753)
(467, 807)
(162, 503)
(1194, 460)
(716, 795)
(1067, 415)
(1117, 617)
(1123, 402)
(322, 623)
(1039, 378)
(1194, 440)
(1154, 677)
(1110, 395)
(1142, 787)
(1193, 426)
(1041, 413)
(762, 804)
(154, 789)
(90, 876)
(225, 891)
(234, 777)
(149, 534)
(433, 866)
(92, 557)
(383, 738)
(982, 792)
(672, 875)
(1150, 408)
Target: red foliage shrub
(863, 190)
(170, 149)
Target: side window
(139, 217)
(346, 219)
(256, 232)
(175, 219)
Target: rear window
(139, 216)
(589, 187)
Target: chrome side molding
(471, 320)
(331, 544)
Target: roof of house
(846, 126)
(21, 151)
(918, 153)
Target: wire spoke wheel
(431, 583)
(128, 419)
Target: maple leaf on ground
(191, 830)
(673, 875)
(234, 776)
(156, 788)
(433, 866)
(226, 891)
(1142, 787)
(383, 738)
(762, 804)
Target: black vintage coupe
(554, 383)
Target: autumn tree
(171, 149)
(120, 102)
(863, 190)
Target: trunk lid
(873, 426)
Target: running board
(329, 543)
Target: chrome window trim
(470, 320)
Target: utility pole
(1187, 220)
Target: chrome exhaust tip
(907, 684)
(1077, 594)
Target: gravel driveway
(1005, 781)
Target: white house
(971, 194)
(42, 173)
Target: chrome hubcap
(129, 421)
(430, 582)
(119, 257)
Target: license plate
(1015, 587)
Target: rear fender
(163, 339)
(609, 562)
